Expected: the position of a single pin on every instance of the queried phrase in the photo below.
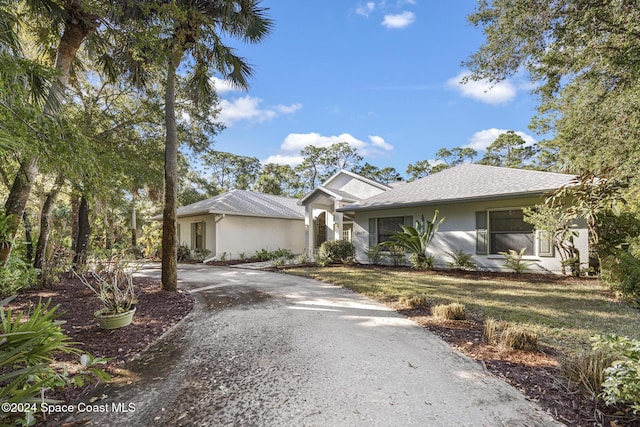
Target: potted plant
(113, 285)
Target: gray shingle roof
(245, 203)
(463, 183)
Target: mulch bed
(156, 312)
(536, 374)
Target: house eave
(438, 202)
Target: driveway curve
(269, 349)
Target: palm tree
(194, 31)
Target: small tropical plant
(374, 254)
(515, 260)
(396, 254)
(184, 252)
(113, 286)
(200, 254)
(27, 347)
(416, 240)
(16, 276)
(461, 260)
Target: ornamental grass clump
(453, 311)
(414, 301)
(516, 337)
(509, 336)
(587, 370)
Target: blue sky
(381, 75)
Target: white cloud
(483, 90)
(379, 142)
(400, 20)
(294, 142)
(366, 9)
(223, 86)
(282, 159)
(248, 108)
(482, 139)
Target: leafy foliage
(622, 378)
(114, 285)
(515, 260)
(416, 240)
(333, 251)
(559, 225)
(374, 254)
(622, 272)
(461, 260)
(27, 347)
(16, 276)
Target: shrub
(453, 311)
(302, 259)
(200, 254)
(622, 273)
(514, 260)
(587, 369)
(414, 301)
(263, 255)
(333, 251)
(461, 260)
(282, 253)
(184, 252)
(421, 262)
(622, 379)
(374, 254)
(16, 276)
(396, 254)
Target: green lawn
(564, 315)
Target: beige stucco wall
(458, 231)
(237, 234)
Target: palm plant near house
(416, 240)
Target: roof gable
(347, 186)
(466, 182)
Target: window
(387, 227)
(507, 230)
(197, 235)
(381, 229)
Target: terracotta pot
(114, 321)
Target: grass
(563, 315)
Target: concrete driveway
(269, 349)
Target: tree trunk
(84, 231)
(169, 243)
(16, 203)
(75, 207)
(28, 236)
(78, 25)
(134, 225)
(45, 224)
